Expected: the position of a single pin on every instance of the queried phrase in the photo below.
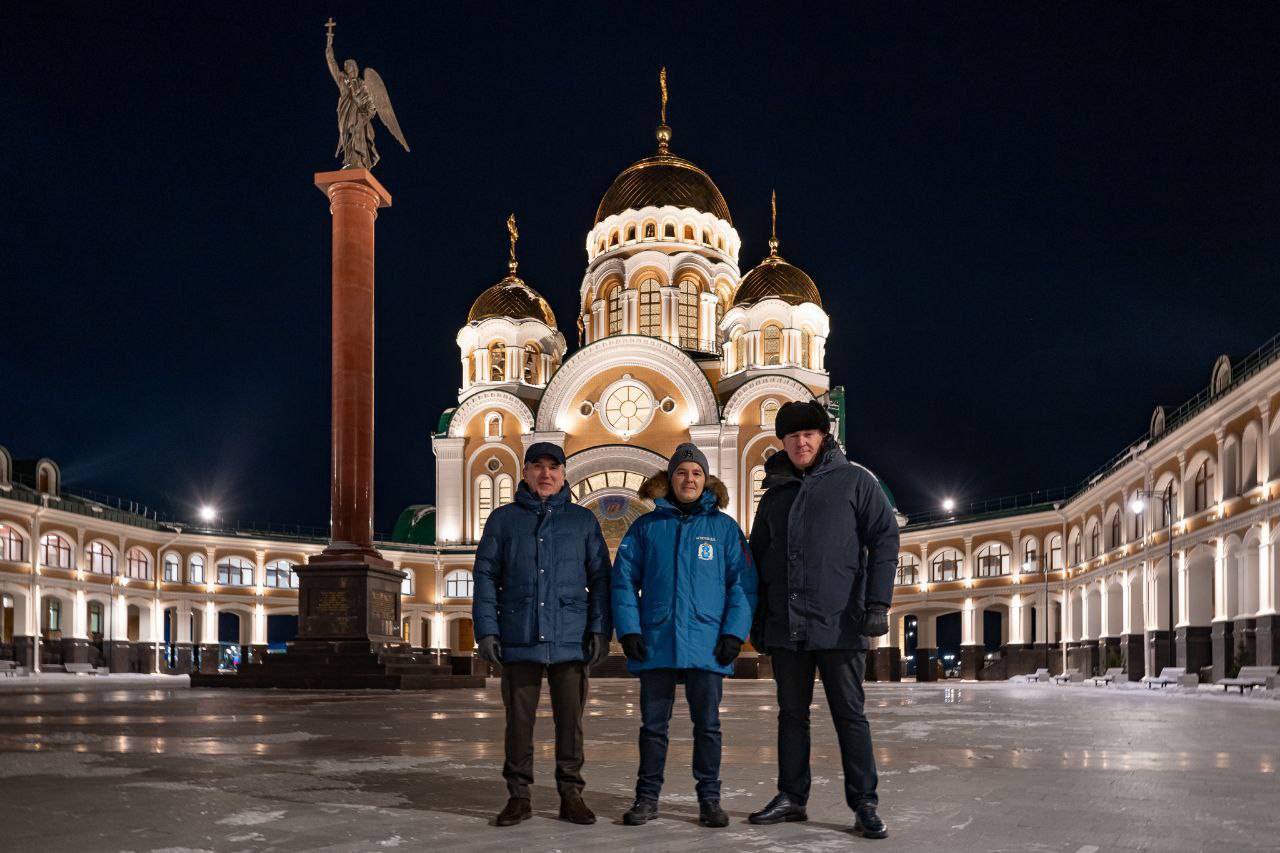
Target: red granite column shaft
(354, 199)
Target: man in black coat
(825, 543)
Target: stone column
(729, 472)
(183, 655)
(1267, 632)
(926, 647)
(75, 642)
(450, 489)
(972, 646)
(354, 199)
(209, 648)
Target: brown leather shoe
(517, 809)
(573, 809)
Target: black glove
(757, 638)
(727, 648)
(633, 647)
(876, 622)
(597, 649)
(490, 649)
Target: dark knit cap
(686, 453)
(797, 416)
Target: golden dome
(777, 278)
(512, 298)
(660, 180)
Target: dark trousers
(521, 688)
(702, 690)
(842, 671)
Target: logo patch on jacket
(705, 551)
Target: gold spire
(664, 132)
(773, 240)
(515, 235)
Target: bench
(1069, 676)
(8, 668)
(1168, 675)
(80, 668)
(1115, 673)
(1251, 677)
(1041, 674)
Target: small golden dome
(777, 278)
(512, 298)
(660, 180)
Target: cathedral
(675, 344)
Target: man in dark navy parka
(825, 541)
(541, 604)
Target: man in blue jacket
(541, 604)
(826, 541)
(684, 589)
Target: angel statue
(360, 99)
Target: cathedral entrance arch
(607, 480)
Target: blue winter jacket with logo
(680, 581)
(541, 579)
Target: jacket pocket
(515, 620)
(654, 615)
(573, 618)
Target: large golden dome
(512, 298)
(660, 180)
(777, 278)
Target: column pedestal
(1222, 636)
(75, 650)
(119, 654)
(208, 663)
(1159, 641)
(925, 660)
(884, 664)
(972, 659)
(1132, 652)
(1195, 647)
(24, 651)
(1267, 640)
(1084, 657)
(183, 658)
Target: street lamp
(1138, 505)
(948, 505)
(208, 514)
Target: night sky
(1030, 224)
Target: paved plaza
(147, 764)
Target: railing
(967, 511)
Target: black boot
(867, 823)
(642, 811)
(710, 813)
(780, 808)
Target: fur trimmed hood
(659, 486)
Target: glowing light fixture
(208, 513)
(948, 505)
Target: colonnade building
(675, 344)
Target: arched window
(55, 551)
(600, 249)
(1115, 530)
(689, 292)
(484, 502)
(172, 568)
(100, 558)
(945, 565)
(497, 362)
(1054, 561)
(771, 336)
(195, 569)
(1162, 509)
(908, 573)
(650, 307)
(280, 575)
(1137, 519)
(806, 349)
(95, 620)
(1030, 557)
(406, 585)
(493, 425)
(706, 236)
(12, 545)
(740, 350)
(532, 361)
(669, 231)
(459, 584)
(505, 489)
(757, 489)
(137, 564)
(52, 615)
(768, 414)
(631, 233)
(1095, 541)
(613, 237)
(1076, 557)
(1203, 486)
(993, 561)
(235, 571)
(650, 230)
(688, 233)
(615, 309)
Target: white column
(118, 629)
(464, 384)
(1105, 605)
(1221, 598)
(260, 570)
(79, 617)
(630, 311)
(450, 494)
(966, 571)
(1219, 488)
(1067, 607)
(258, 634)
(1266, 573)
(707, 302)
(182, 618)
(971, 625)
(482, 364)
(1264, 440)
(1126, 602)
(1183, 503)
(729, 469)
(1183, 611)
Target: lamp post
(1138, 504)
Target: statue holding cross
(359, 100)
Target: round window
(493, 464)
(628, 407)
